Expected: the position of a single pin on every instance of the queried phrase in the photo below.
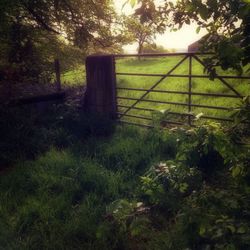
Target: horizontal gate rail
(180, 114)
(175, 103)
(135, 116)
(219, 77)
(182, 92)
(154, 110)
(181, 76)
(162, 54)
(136, 124)
(150, 119)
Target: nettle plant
(206, 147)
(241, 116)
(181, 189)
(165, 182)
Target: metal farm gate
(134, 101)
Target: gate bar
(190, 90)
(181, 114)
(174, 103)
(217, 76)
(181, 92)
(183, 76)
(162, 54)
(150, 119)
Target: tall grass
(74, 77)
(58, 200)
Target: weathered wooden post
(100, 97)
(58, 75)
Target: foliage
(143, 31)
(241, 117)
(59, 199)
(181, 209)
(153, 48)
(97, 191)
(242, 112)
(34, 33)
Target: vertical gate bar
(190, 90)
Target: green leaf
(198, 29)
(203, 12)
(183, 187)
(132, 3)
(231, 228)
(237, 171)
(241, 230)
(202, 230)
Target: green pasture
(163, 66)
(74, 77)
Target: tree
(33, 33)
(227, 20)
(228, 26)
(140, 33)
(154, 48)
(143, 30)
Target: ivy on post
(100, 97)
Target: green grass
(58, 200)
(74, 77)
(162, 66)
(67, 169)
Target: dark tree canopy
(34, 32)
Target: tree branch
(38, 19)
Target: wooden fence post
(100, 95)
(58, 75)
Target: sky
(178, 40)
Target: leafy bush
(186, 203)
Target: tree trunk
(140, 50)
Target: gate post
(100, 96)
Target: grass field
(162, 66)
(74, 77)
